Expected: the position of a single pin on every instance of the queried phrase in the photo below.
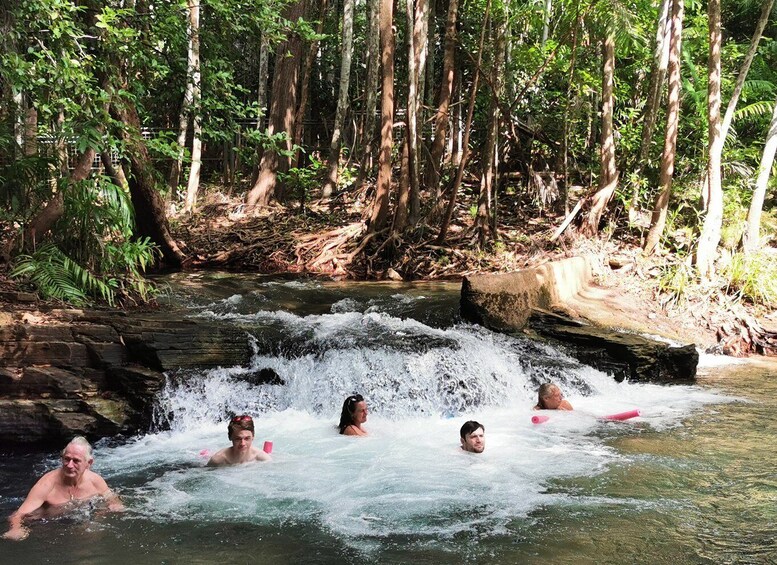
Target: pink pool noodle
(623, 415)
(204, 453)
(539, 419)
(267, 447)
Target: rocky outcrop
(538, 301)
(91, 373)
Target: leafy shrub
(752, 277)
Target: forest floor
(329, 238)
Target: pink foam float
(267, 447)
(204, 453)
(623, 415)
(539, 419)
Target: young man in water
(473, 437)
(63, 488)
(241, 433)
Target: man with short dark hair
(473, 437)
(74, 481)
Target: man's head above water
(473, 437)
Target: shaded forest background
(374, 138)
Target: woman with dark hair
(352, 417)
(241, 433)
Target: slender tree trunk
(567, 103)
(371, 97)
(412, 104)
(403, 194)
(264, 73)
(342, 99)
(766, 9)
(467, 128)
(283, 107)
(751, 238)
(546, 21)
(650, 115)
(115, 172)
(658, 220)
(194, 172)
(421, 46)
(192, 68)
(299, 120)
(487, 186)
(608, 179)
(713, 221)
(380, 207)
(442, 117)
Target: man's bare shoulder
(219, 458)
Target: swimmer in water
(60, 488)
(353, 415)
(241, 433)
(473, 437)
(549, 397)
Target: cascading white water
(421, 382)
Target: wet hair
(545, 390)
(469, 427)
(349, 407)
(80, 441)
(239, 423)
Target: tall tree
(608, 177)
(751, 236)
(655, 88)
(380, 206)
(342, 100)
(371, 96)
(192, 66)
(411, 132)
(442, 116)
(661, 206)
(283, 107)
(713, 221)
(194, 171)
(421, 48)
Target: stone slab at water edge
(558, 302)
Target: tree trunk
(45, 220)
(650, 115)
(283, 106)
(380, 206)
(192, 67)
(299, 119)
(371, 97)
(421, 46)
(194, 172)
(467, 128)
(658, 220)
(608, 176)
(751, 236)
(710, 233)
(150, 219)
(488, 170)
(567, 103)
(263, 72)
(766, 9)
(342, 100)
(442, 117)
(412, 104)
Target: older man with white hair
(74, 481)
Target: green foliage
(675, 280)
(303, 181)
(752, 278)
(57, 276)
